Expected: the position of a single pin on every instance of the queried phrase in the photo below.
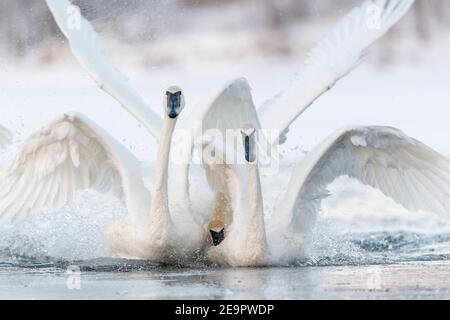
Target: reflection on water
(407, 280)
(362, 265)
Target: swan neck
(160, 201)
(255, 205)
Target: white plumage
(404, 169)
(73, 154)
(90, 54)
(335, 56)
(5, 137)
(70, 154)
(232, 106)
(227, 107)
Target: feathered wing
(404, 169)
(87, 49)
(5, 137)
(69, 155)
(336, 55)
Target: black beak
(173, 104)
(217, 237)
(249, 154)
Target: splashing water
(57, 238)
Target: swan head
(174, 101)
(217, 232)
(249, 142)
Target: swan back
(85, 45)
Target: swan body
(335, 56)
(227, 107)
(72, 154)
(339, 52)
(385, 158)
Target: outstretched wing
(87, 49)
(69, 155)
(5, 137)
(336, 55)
(404, 169)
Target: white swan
(228, 107)
(404, 169)
(334, 57)
(72, 154)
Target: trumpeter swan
(385, 158)
(72, 154)
(163, 237)
(335, 56)
(227, 108)
(244, 239)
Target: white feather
(69, 155)
(336, 55)
(90, 54)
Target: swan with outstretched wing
(227, 107)
(332, 59)
(73, 154)
(404, 169)
(335, 56)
